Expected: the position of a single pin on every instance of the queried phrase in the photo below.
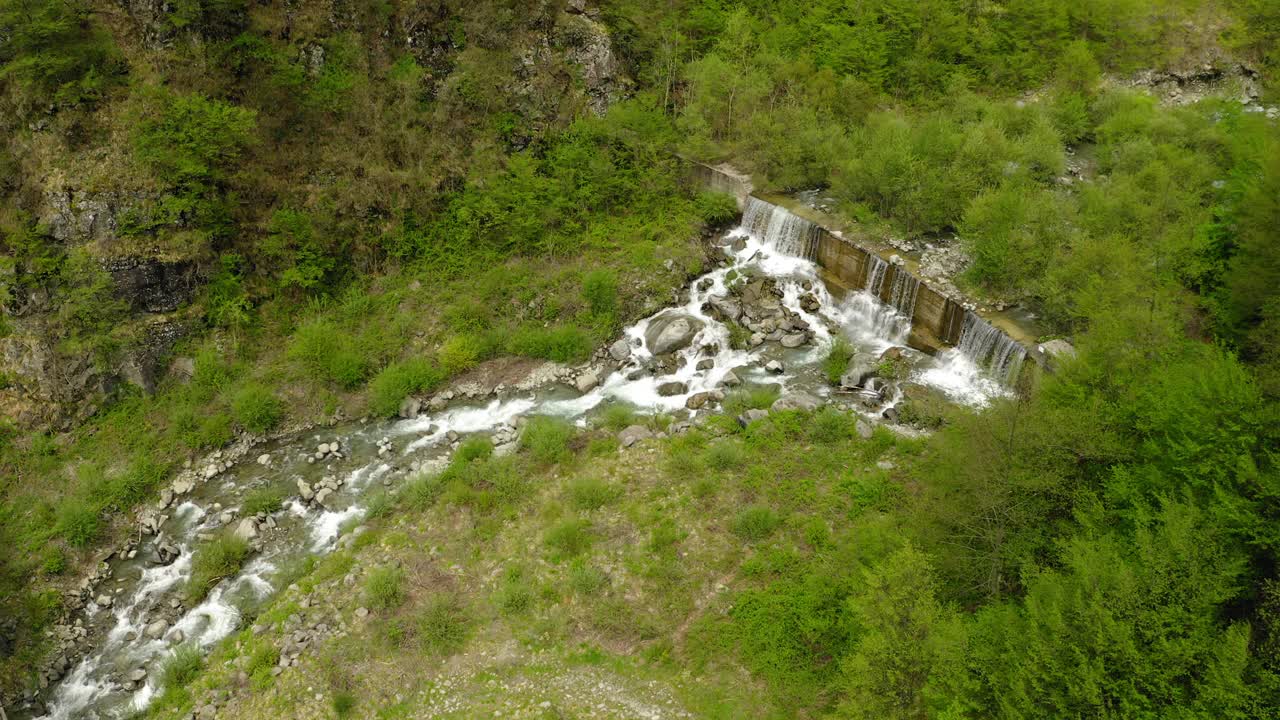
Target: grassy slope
(638, 616)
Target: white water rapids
(97, 686)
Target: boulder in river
(699, 400)
(620, 350)
(410, 407)
(588, 380)
(860, 371)
(774, 367)
(669, 389)
(304, 489)
(247, 529)
(670, 333)
(725, 308)
(794, 340)
(155, 630)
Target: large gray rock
(1056, 352)
(670, 333)
(860, 371)
(699, 400)
(633, 435)
(156, 629)
(247, 529)
(669, 389)
(725, 308)
(410, 407)
(588, 380)
(794, 340)
(620, 350)
(796, 401)
(864, 429)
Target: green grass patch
(755, 523)
(182, 667)
(443, 626)
(836, 362)
(547, 439)
(399, 380)
(256, 408)
(266, 499)
(213, 561)
(591, 493)
(384, 588)
(568, 538)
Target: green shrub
(55, 54)
(378, 504)
(257, 409)
(134, 485)
(591, 493)
(568, 538)
(344, 703)
(182, 667)
(547, 439)
(330, 353)
(755, 523)
(262, 500)
(264, 657)
(514, 597)
(443, 627)
(476, 447)
(759, 397)
(384, 588)
(587, 579)
(399, 380)
(562, 344)
(55, 561)
(421, 492)
(78, 522)
(829, 425)
(460, 352)
(836, 362)
(600, 290)
(617, 417)
(683, 461)
(213, 561)
(191, 140)
(716, 208)
(725, 455)
(347, 368)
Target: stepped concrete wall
(937, 319)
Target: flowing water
(769, 242)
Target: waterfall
(781, 229)
(876, 269)
(903, 295)
(988, 347)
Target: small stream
(146, 618)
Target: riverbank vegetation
(369, 224)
